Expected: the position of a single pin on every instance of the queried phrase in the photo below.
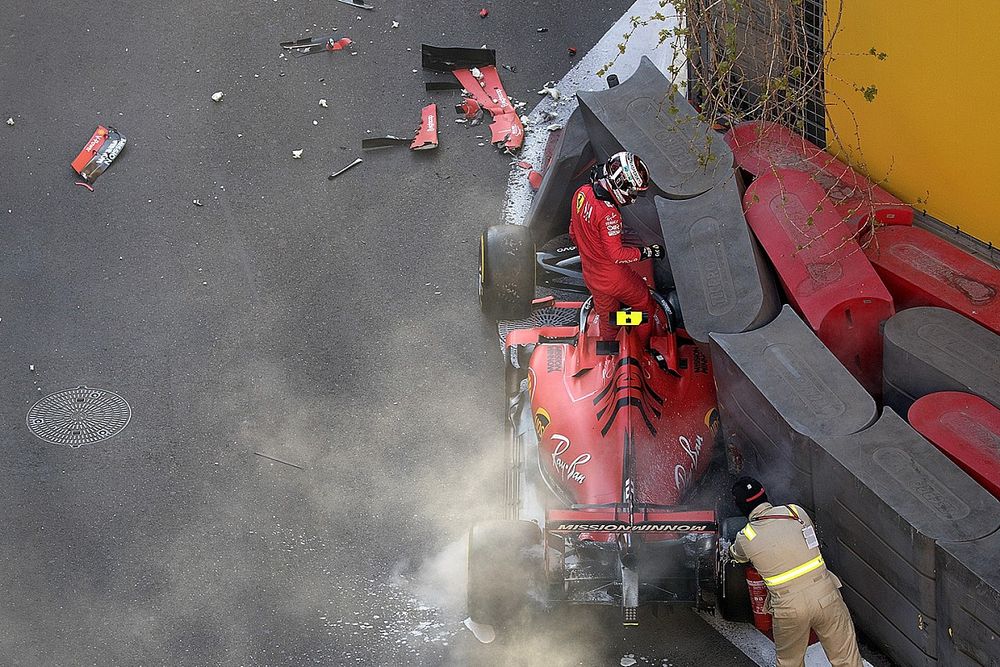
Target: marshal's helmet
(624, 176)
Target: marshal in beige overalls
(802, 593)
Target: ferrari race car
(606, 440)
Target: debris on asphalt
(323, 103)
(387, 141)
(524, 164)
(471, 110)
(550, 90)
(309, 45)
(31, 367)
(297, 154)
(510, 68)
(535, 180)
(97, 155)
(476, 71)
(554, 127)
(448, 59)
(86, 185)
(217, 97)
(542, 30)
(628, 660)
(484, 12)
(360, 4)
(572, 51)
(427, 133)
(271, 458)
(10, 121)
(197, 202)
(338, 173)
(484, 633)
(395, 24)
(549, 115)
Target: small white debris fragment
(549, 115)
(297, 154)
(553, 127)
(359, 18)
(483, 632)
(476, 73)
(197, 202)
(627, 661)
(461, 120)
(315, 122)
(395, 24)
(31, 367)
(550, 90)
(323, 103)
(217, 97)
(414, 71)
(10, 121)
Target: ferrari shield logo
(581, 199)
(629, 318)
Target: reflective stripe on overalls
(795, 572)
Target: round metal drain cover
(79, 416)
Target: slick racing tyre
(505, 566)
(734, 602)
(506, 272)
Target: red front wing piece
(427, 135)
(102, 149)
(488, 92)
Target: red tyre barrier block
(966, 428)
(761, 147)
(923, 269)
(825, 274)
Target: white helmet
(624, 176)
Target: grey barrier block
(968, 587)
(722, 280)
(550, 209)
(779, 388)
(885, 497)
(685, 156)
(930, 349)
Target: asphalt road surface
(331, 325)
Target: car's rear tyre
(506, 272)
(505, 566)
(734, 603)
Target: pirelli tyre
(505, 566)
(734, 598)
(506, 272)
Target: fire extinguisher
(758, 601)
(762, 620)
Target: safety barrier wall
(932, 349)
(968, 587)
(885, 497)
(722, 279)
(779, 388)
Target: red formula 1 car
(605, 443)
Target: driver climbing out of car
(596, 229)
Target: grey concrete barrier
(723, 281)
(685, 156)
(885, 497)
(968, 587)
(930, 349)
(779, 388)
(550, 210)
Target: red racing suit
(596, 229)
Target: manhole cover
(79, 416)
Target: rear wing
(613, 520)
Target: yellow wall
(935, 122)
